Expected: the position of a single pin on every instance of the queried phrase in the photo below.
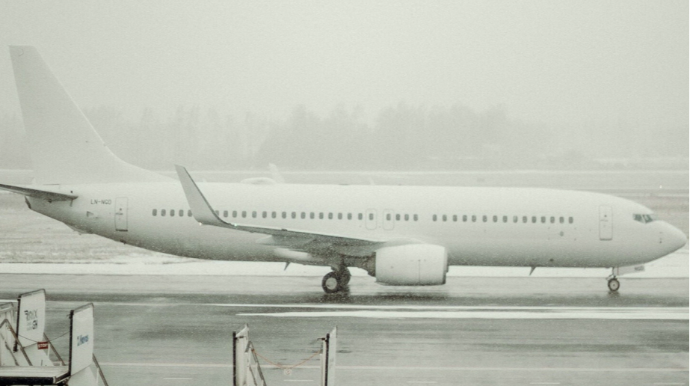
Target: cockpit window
(644, 218)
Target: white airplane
(401, 235)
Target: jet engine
(411, 264)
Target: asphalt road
(176, 330)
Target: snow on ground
(674, 265)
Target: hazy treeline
(401, 137)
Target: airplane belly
(535, 253)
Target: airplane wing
(39, 193)
(204, 214)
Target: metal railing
(6, 323)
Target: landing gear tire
(331, 283)
(614, 285)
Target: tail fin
(63, 145)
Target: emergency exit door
(121, 214)
(605, 223)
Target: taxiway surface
(176, 330)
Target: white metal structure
(246, 370)
(76, 373)
(402, 235)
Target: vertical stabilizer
(63, 145)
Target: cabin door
(605, 223)
(121, 214)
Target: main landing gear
(336, 281)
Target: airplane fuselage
(477, 226)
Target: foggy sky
(574, 62)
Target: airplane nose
(674, 238)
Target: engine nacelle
(412, 264)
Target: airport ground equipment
(245, 364)
(26, 343)
(247, 370)
(24, 347)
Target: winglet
(201, 209)
(205, 215)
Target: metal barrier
(247, 370)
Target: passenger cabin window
(455, 218)
(180, 213)
(397, 217)
(505, 218)
(162, 212)
(330, 216)
(570, 220)
(264, 214)
(244, 213)
(407, 217)
(464, 218)
(515, 218)
(155, 212)
(543, 219)
(254, 214)
(360, 216)
(340, 216)
(495, 218)
(321, 215)
(553, 219)
(444, 218)
(172, 212)
(433, 217)
(534, 219)
(189, 213)
(524, 219)
(349, 216)
(371, 216)
(415, 217)
(225, 213)
(474, 218)
(484, 218)
(560, 219)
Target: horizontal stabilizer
(39, 193)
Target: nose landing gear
(336, 281)
(614, 284)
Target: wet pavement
(163, 330)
